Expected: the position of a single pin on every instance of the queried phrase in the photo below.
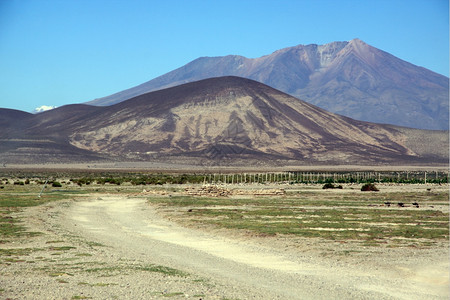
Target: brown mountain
(217, 120)
(349, 78)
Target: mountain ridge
(349, 78)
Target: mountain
(215, 121)
(349, 78)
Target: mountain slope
(349, 78)
(221, 120)
(42, 138)
(12, 122)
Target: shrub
(369, 187)
(56, 184)
(329, 185)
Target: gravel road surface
(132, 227)
(101, 247)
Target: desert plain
(284, 240)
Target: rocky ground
(110, 246)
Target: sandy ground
(178, 167)
(116, 239)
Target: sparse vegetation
(329, 185)
(139, 178)
(344, 217)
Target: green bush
(56, 184)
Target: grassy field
(14, 198)
(305, 211)
(350, 216)
(80, 268)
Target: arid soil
(190, 168)
(110, 246)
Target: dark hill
(220, 120)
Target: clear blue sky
(56, 52)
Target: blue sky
(56, 52)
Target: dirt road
(132, 229)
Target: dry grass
(361, 217)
